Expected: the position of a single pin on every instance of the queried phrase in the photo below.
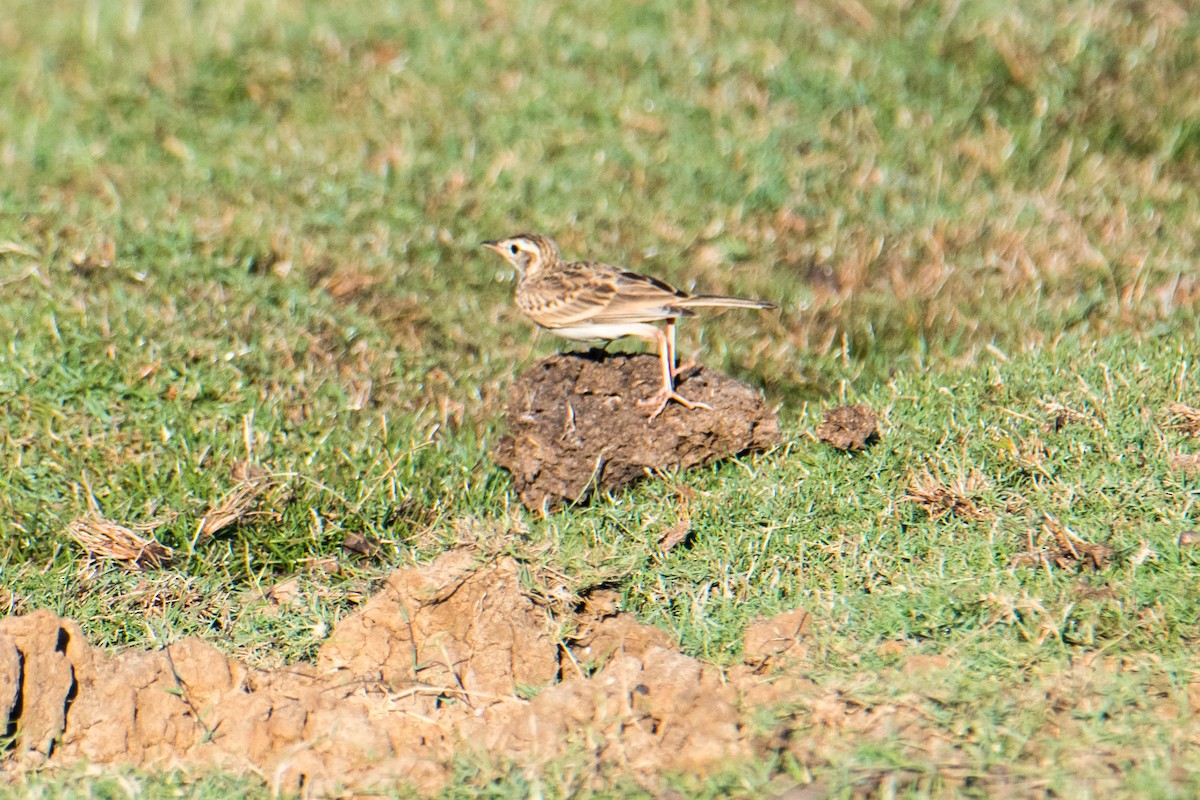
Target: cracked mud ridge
(431, 665)
(443, 662)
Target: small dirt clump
(575, 425)
(848, 427)
(777, 637)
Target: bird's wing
(566, 296)
(598, 294)
(638, 298)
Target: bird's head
(528, 252)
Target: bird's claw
(665, 396)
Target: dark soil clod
(575, 425)
(850, 427)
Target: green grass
(973, 215)
(94, 784)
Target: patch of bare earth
(433, 664)
(443, 662)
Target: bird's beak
(493, 245)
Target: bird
(590, 301)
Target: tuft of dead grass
(675, 535)
(239, 503)
(105, 539)
(1185, 419)
(1069, 551)
(959, 498)
(1062, 415)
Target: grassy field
(249, 231)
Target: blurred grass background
(249, 231)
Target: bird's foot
(666, 395)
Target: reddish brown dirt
(429, 666)
(436, 664)
(575, 425)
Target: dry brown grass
(1185, 419)
(242, 501)
(102, 538)
(1069, 550)
(1062, 415)
(959, 498)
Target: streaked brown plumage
(592, 301)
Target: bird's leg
(667, 393)
(676, 368)
(671, 348)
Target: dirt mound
(469, 631)
(574, 425)
(431, 665)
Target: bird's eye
(514, 249)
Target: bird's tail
(716, 300)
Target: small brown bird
(589, 301)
